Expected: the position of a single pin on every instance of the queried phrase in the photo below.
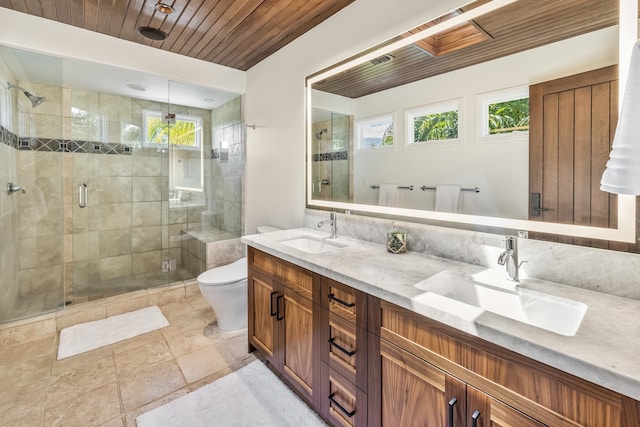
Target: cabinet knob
(341, 348)
(272, 309)
(342, 408)
(452, 404)
(278, 299)
(332, 297)
(474, 418)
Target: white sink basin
(470, 296)
(312, 245)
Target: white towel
(622, 175)
(448, 198)
(387, 195)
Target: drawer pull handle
(278, 299)
(333, 342)
(452, 403)
(272, 311)
(339, 301)
(474, 418)
(344, 411)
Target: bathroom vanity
(349, 327)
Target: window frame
(182, 117)
(503, 95)
(359, 125)
(434, 108)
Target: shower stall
(332, 156)
(106, 191)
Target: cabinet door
(263, 301)
(297, 343)
(485, 411)
(415, 393)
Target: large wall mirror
(497, 114)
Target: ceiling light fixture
(152, 33)
(208, 100)
(164, 8)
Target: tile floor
(111, 386)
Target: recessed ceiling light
(152, 33)
(164, 8)
(208, 100)
(137, 87)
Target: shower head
(35, 100)
(319, 134)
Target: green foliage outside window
(436, 127)
(387, 137)
(509, 116)
(183, 132)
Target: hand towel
(622, 175)
(387, 195)
(448, 198)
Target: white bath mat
(252, 396)
(83, 337)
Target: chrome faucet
(509, 258)
(332, 221)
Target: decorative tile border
(337, 155)
(61, 145)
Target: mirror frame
(626, 231)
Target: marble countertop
(605, 349)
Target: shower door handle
(82, 195)
(320, 182)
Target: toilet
(225, 289)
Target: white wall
(499, 168)
(275, 100)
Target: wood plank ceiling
(234, 33)
(523, 25)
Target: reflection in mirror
(454, 112)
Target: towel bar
(404, 187)
(474, 189)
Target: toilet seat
(226, 274)
(266, 229)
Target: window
(504, 113)
(375, 132)
(183, 132)
(434, 123)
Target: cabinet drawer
(295, 278)
(344, 301)
(343, 347)
(344, 404)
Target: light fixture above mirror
(333, 93)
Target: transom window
(375, 132)
(434, 123)
(181, 131)
(504, 113)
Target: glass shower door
(32, 225)
(331, 156)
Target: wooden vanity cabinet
(415, 362)
(360, 361)
(281, 319)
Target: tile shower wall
(226, 171)
(8, 234)
(8, 204)
(216, 240)
(333, 159)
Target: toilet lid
(226, 274)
